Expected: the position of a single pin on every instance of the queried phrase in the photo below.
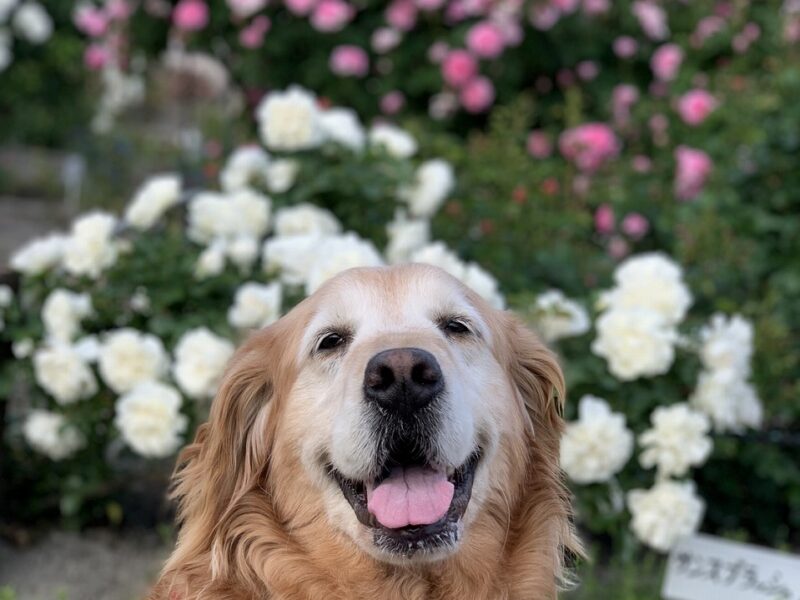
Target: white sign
(704, 567)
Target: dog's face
(401, 414)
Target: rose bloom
(402, 15)
(589, 146)
(539, 144)
(349, 61)
(190, 15)
(635, 225)
(459, 67)
(485, 39)
(666, 61)
(604, 219)
(692, 169)
(393, 102)
(478, 95)
(95, 57)
(252, 36)
(695, 106)
(90, 20)
(300, 7)
(625, 46)
(331, 15)
(587, 70)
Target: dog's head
(394, 406)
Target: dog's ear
(538, 379)
(230, 452)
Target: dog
(392, 437)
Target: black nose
(403, 380)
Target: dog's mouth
(412, 507)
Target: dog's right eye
(330, 341)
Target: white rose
(6, 6)
(62, 313)
(281, 175)
(558, 317)
(62, 372)
(213, 216)
(243, 251)
(337, 254)
(256, 305)
(22, 348)
(291, 257)
(211, 261)
(90, 248)
(6, 295)
(247, 165)
(635, 342)
(39, 255)
(433, 182)
(596, 446)
(729, 400)
(129, 357)
(406, 236)
(33, 23)
(727, 343)
(6, 55)
(480, 281)
(397, 142)
(290, 120)
(341, 125)
(200, 360)
(140, 301)
(88, 348)
(150, 420)
(302, 219)
(439, 255)
(677, 440)
(157, 195)
(246, 8)
(665, 513)
(50, 433)
(650, 281)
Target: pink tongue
(410, 496)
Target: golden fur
(252, 526)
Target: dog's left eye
(454, 327)
(330, 341)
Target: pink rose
(331, 15)
(393, 102)
(641, 163)
(118, 10)
(691, 171)
(477, 95)
(625, 46)
(90, 20)
(565, 6)
(589, 146)
(544, 16)
(190, 15)
(706, 27)
(485, 40)
(652, 19)
(300, 8)
(635, 225)
(604, 219)
(95, 57)
(252, 36)
(385, 39)
(459, 67)
(402, 14)
(587, 70)
(438, 52)
(666, 61)
(539, 144)
(349, 61)
(695, 106)
(594, 8)
(618, 248)
(623, 98)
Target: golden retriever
(392, 437)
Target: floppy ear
(538, 379)
(229, 455)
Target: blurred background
(624, 174)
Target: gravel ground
(96, 565)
